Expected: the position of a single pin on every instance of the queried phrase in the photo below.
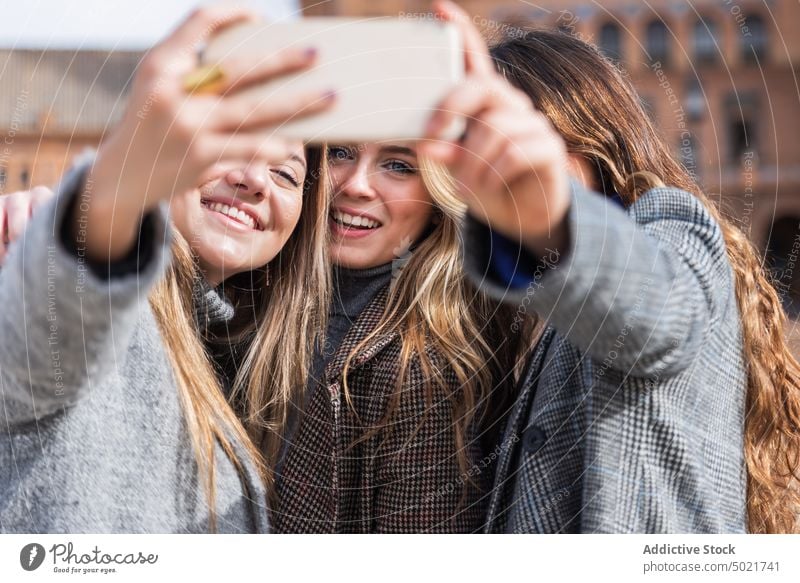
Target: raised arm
(65, 323)
(631, 290)
(637, 290)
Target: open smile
(349, 224)
(352, 221)
(236, 215)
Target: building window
(742, 111)
(2, 179)
(611, 41)
(695, 101)
(741, 132)
(658, 42)
(753, 37)
(705, 44)
(25, 178)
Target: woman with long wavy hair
(662, 397)
(396, 430)
(118, 419)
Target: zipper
(336, 403)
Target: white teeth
(232, 212)
(351, 221)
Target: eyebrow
(297, 158)
(400, 150)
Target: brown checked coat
(403, 478)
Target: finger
(468, 99)
(476, 53)
(442, 151)
(39, 196)
(500, 130)
(242, 72)
(518, 159)
(473, 97)
(201, 24)
(246, 113)
(482, 146)
(18, 214)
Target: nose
(250, 180)
(356, 183)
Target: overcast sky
(104, 23)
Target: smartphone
(389, 74)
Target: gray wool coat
(93, 438)
(630, 416)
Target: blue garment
(511, 264)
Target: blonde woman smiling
(399, 418)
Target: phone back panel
(389, 74)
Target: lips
(353, 220)
(234, 212)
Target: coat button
(533, 439)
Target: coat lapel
(515, 426)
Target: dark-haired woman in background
(662, 397)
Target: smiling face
(380, 205)
(239, 219)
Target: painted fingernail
(310, 52)
(329, 95)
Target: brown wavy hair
(598, 113)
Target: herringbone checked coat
(403, 479)
(631, 414)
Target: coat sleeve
(638, 290)
(65, 324)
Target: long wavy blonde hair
(598, 113)
(444, 322)
(279, 311)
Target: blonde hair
(292, 319)
(444, 322)
(277, 355)
(600, 117)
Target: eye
(339, 154)
(286, 176)
(399, 167)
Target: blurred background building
(719, 77)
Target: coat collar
(366, 322)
